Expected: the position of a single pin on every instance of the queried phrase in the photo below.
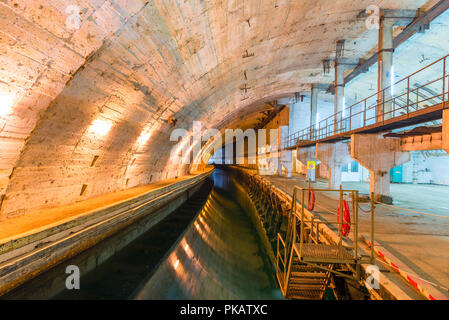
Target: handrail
(289, 245)
(383, 107)
(339, 223)
(284, 263)
(278, 254)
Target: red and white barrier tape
(420, 284)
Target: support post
(379, 155)
(445, 132)
(339, 93)
(285, 156)
(341, 65)
(313, 106)
(372, 227)
(304, 155)
(385, 65)
(334, 156)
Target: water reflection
(219, 257)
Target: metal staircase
(306, 262)
(304, 281)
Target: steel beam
(416, 26)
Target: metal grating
(305, 294)
(323, 252)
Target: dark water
(219, 257)
(207, 249)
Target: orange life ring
(346, 218)
(311, 199)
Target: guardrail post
(417, 99)
(327, 129)
(350, 118)
(364, 115)
(277, 255)
(408, 94)
(355, 210)
(444, 82)
(302, 222)
(340, 217)
(372, 227)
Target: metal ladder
(305, 265)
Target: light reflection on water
(219, 257)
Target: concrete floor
(421, 242)
(419, 197)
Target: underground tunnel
(263, 150)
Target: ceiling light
(144, 137)
(6, 103)
(100, 127)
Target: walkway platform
(417, 244)
(317, 253)
(21, 226)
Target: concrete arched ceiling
(90, 106)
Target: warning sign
(311, 165)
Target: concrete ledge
(30, 254)
(71, 216)
(247, 203)
(423, 287)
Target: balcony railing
(404, 98)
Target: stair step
(304, 294)
(301, 281)
(305, 268)
(312, 275)
(295, 286)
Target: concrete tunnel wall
(129, 67)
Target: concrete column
(339, 91)
(445, 135)
(313, 105)
(306, 154)
(285, 157)
(334, 156)
(286, 162)
(313, 110)
(294, 166)
(291, 117)
(278, 152)
(385, 64)
(379, 155)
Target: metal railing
(285, 248)
(314, 224)
(282, 269)
(395, 102)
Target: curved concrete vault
(89, 107)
